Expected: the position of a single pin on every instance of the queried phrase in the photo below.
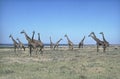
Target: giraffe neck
(68, 39)
(50, 40)
(39, 37)
(19, 41)
(13, 39)
(59, 41)
(83, 39)
(94, 35)
(96, 39)
(103, 38)
(107, 43)
(33, 36)
(27, 37)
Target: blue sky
(56, 18)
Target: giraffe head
(22, 31)
(101, 32)
(90, 34)
(65, 35)
(60, 38)
(10, 36)
(34, 32)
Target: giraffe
(51, 43)
(41, 45)
(81, 42)
(16, 45)
(32, 43)
(33, 40)
(98, 42)
(21, 44)
(29, 41)
(57, 43)
(106, 43)
(70, 44)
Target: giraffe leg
(24, 48)
(79, 45)
(104, 48)
(36, 51)
(57, 47)
(69, 47)
(41, 50)
(97, 48)
(72, 47)
(15, 49)
(82, 45)
(54, 47)
(30, 50)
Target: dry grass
(61, 63)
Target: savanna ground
(83, 63)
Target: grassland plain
(84, 63)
